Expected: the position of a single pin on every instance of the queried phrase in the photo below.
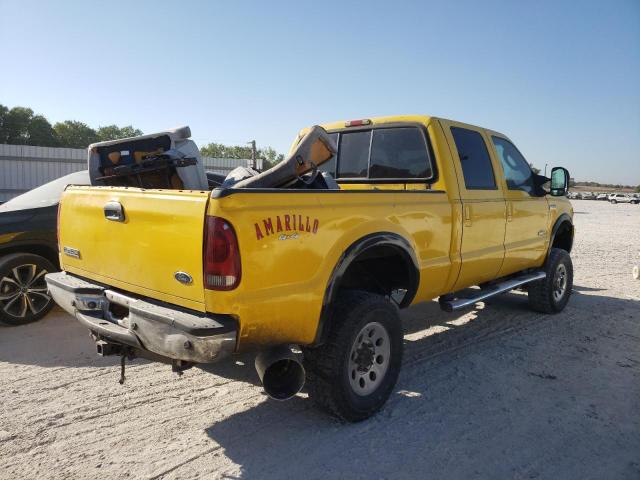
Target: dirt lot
(498, 392)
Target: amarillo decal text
(286, 223)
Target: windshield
(47, 194)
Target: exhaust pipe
(280, 372)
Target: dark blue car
(28, 250)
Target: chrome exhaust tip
(280, 371)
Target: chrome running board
(495, 289)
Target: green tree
(74, 134)
(638, 189)
(15, 125)
(270, 157)
(215, 150)
(42, 133)
(20, 126)
(3, 115)
(113, 132)
(218, 150)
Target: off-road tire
(328, 366)
(20, 261)
(541, 292)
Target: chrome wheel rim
(559, 282)
(23, 291)
(369, 358)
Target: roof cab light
(357, 123)
(221, 255)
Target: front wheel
(24, 296)
(614, 201)
(551, 294)
(353, 373)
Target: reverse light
(357, 123)
(221, 256)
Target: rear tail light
(221, 255)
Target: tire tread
(540, 292)
(323, 363)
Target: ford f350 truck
(423, 208)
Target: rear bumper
(166, 330)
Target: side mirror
(559, 181)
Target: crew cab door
(527, 227)
(483, 205)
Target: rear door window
(354, 154)
(474, 158)
(399, 153)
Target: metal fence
(23, 167)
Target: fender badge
(284, 236)
(183, 277)
(72, 252)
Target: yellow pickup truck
(421, 208)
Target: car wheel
(24, 296)
(614, 201)
(551, 294)
(353, 373)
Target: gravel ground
(499, 392)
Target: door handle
(113, 211)
(467, 215)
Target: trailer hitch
(179, 366)
(125, 353)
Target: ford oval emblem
(183, 277)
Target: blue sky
(562, 79)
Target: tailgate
(158, 234)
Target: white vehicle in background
(588, 196)
(622, 198)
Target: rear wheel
(352, 375)
(551, 294)
(24, 296)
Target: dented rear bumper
(166, 330)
